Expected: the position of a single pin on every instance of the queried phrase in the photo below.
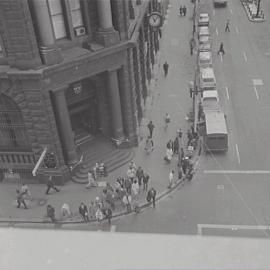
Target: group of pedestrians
(183, 10)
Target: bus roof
(215, 123)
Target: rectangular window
(57, 16)
(76, 14)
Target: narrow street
(230, 188)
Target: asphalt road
(232, 188)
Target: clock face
(155, 20)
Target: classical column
(106, 34)
(114, 95)
(64, 126)
(50, 54)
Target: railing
(16, 159)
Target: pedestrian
(127, 201)
(151, 196)
(99, 214)
(65, 210)
(20, 199)
(167, 119)
(180, 133)
(135, 189)
(92, 210)
(26, 192)
(171, 178)
(160, 32)
(166, 68)
(184, 10)
(91, 180)
(191, 45)
(133, 165)
(151, 127)
(139, 175)
(149, 145)
(50, 185)
(128, 184)
(227, 28)
(221, 49)
(182, 154)
(108, 214)
(176, 145)
(146, 177)
(169, 144)
(131, 173)
(189, 136)
(181, 10)
(83, 212)
(184, 165)
(169, 155)
(96, 171)
(51, 213)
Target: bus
(215, 132)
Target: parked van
(215, 132)
(210, 101)
(205, 59)
(207, 79)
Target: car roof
(204, 15)
(210, 94)
(205, 55)
(207, 72)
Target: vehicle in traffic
(210, 101)
(204, 19)
(205, 59)
(203, 31)
(207, 79)
(215, 135)
(204, 40)
(220, 3)
(205, 47)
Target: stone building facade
(71, 70)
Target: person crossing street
(227, 28)
(221, 49)
(166, 68)
(50, 185)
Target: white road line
(236, 172)
(237, 153)
(231, 11)
(227, 92)
(113, 228)
(217, 31)
(245, 56)
(256, 92)
(221, 57)
(200, 227)
(236, 29)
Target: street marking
(237, 152)
(236, 29)
(217, 31)
(236, 172)
(221, 57)
(256, 92)
(231, 11)
(257, 81)
(227, 92)
(230, 227)
(245, 56)
(113, 228)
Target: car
(203, 19)
(220, 3)
(205, 47)
(210, 101)
(207, 79)
(204, 39)
(205, 59)
(203, 31)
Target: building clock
(155, 19)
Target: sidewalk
(251, 11)
(166, 95)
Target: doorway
(84, 119)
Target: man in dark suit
(83, 212)
(50, 185)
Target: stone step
(120, 158)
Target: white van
(205, 59)
(210, 101)
(207, 79)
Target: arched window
(13, 135)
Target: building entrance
(84, 119)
